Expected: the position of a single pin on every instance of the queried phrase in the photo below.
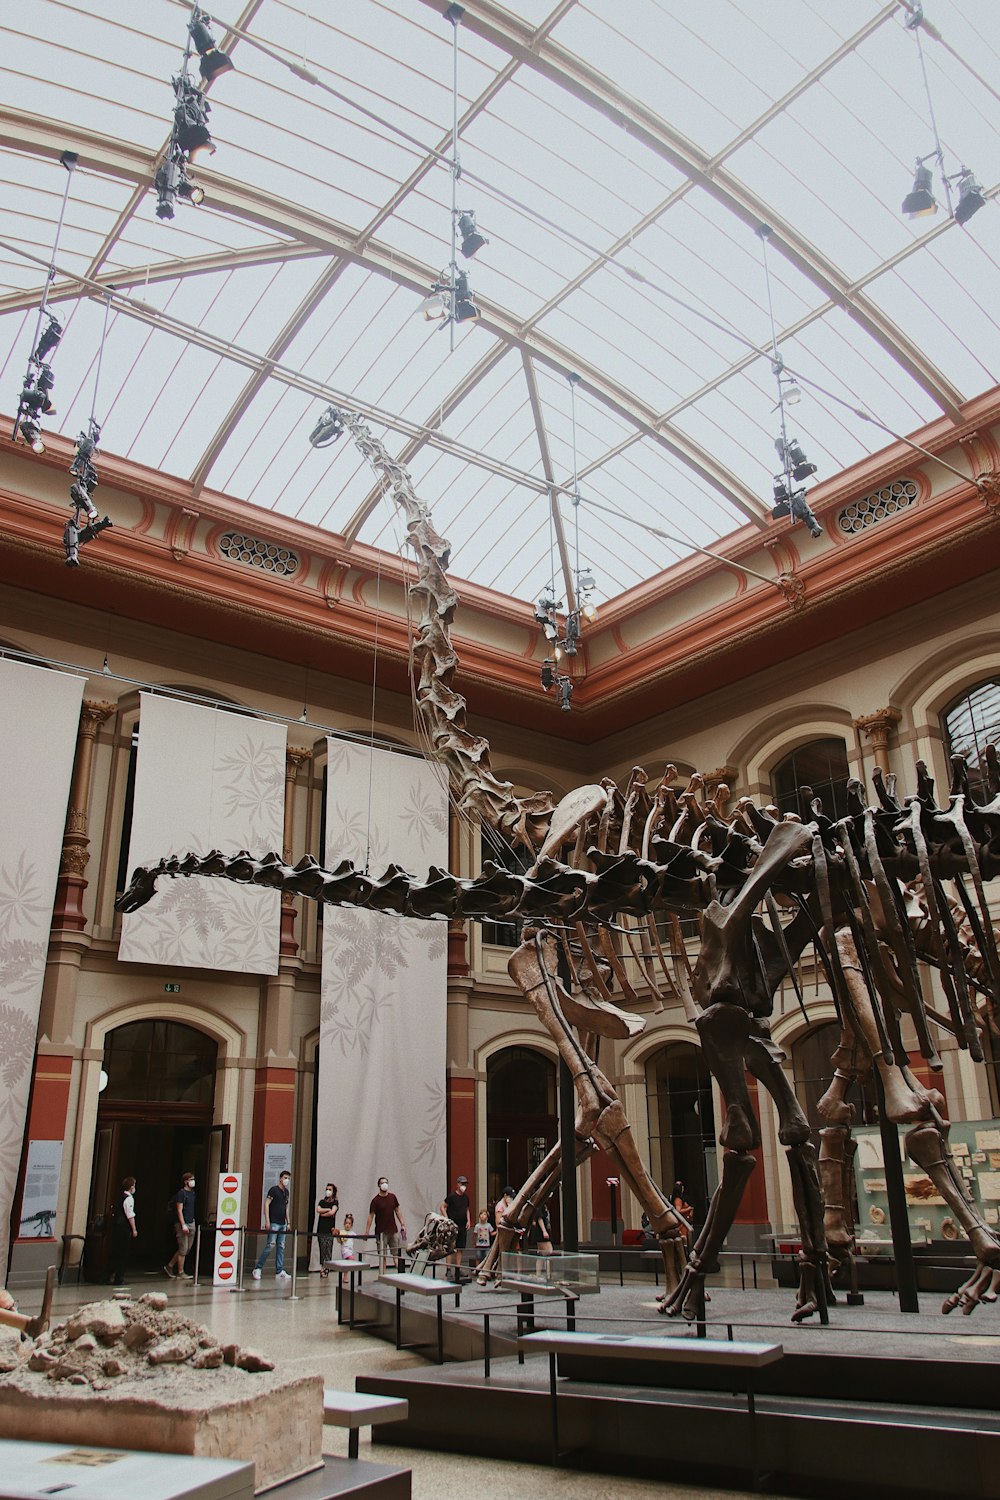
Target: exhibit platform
(891, 1404)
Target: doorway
(682, 1123)
(154, 1122)
(522, 1123)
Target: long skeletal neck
(441, 708)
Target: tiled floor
(303, 1336)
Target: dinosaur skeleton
(612, 873)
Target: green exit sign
(172, 989)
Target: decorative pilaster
(295, 757)
(458, 959)
(877, 728)
(68, 908)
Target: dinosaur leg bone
(926, 1145)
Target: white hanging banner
(205, 779)
(384, 993)
(38, 733)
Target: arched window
(821, 765)
(522, 1122)
(970, 724)
(159, 1061)
(682, 1123)
(812, 1070)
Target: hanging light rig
(920, 201)
(189, 132)
(565, 643)
(451, 298)
(35, 400)
(789, 496)
(85, 523)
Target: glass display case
(574, 1275)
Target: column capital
(295, 756)
(93, 714)
(877, 727)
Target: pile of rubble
(125, 1342)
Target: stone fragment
(79, 1379)
(66, 1367)
(172, 1351)
(41, 1359)
(103, 1319)
(158, 1301)
(249, 1359)
(230, 1353)
(85, 1343)
(138, 1334)
(207, 1340)
(208, 1359)
(114, 1366)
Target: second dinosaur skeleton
(878, 893)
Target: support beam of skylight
(569, 583)
(508, 32)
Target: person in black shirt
(276, 1224)
(326, 1224)
(182, 1204)
(457, 1208)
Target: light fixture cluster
(920, 201)
(451, 300)
(35, 400)
(85, 523)
(564, 639)
(189, 133)
(788, 498)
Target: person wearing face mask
(182, 1204)
(384, 1210)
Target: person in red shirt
(384, 1210)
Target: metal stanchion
(239, 1287)
(197, 1251)
(292, 1294)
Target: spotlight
(472, 240)
(76, 536)
(191, 191)
(565, 694)
(793, 458)
(572, 633)
(548, 675)
(794, 504)
(69, 160)
(191, 112)
(465, 307)
(920, 201)
(44, 381)
(31, 431)
(589, 610)
(454, 14)
(970, 197)
(437, 305)
(586, 581)
(327, 430)
(213, 62)
(48, 340)
(167, 183)
(80, 497)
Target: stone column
(877, 728)
(68, 909)
(294, 758)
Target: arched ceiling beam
(556, 63)
(38, 135)
(167, 270)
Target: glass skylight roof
(619, 160)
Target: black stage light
(48, 340)
(167, 184)
(190, 191)
(920, 201)
(565, 693)
(548, 676)
(970, 197)
(191, 114)
(454, 14)
(44, 382)
(30, 430)
(213, 62)
(801, 467)
(465, 307)
(472, 240)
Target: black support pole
(902, 1246)
(567, 1143)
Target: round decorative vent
(861, 514)
(239, 547)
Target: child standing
(346, 1237)
(483, 1233)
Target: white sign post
(228, 1209)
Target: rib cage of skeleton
(879, 893)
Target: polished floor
(302, 1335)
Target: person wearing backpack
(123, 1230)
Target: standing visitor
(483, 1235)
(326, 1223)
(346, 1238)
(123, 1230)
(276, 1224)
(458, 1209)
(182, 1205)
(385, 1212)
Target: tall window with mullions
(821, 765)
(970, 724)
(492, 847)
